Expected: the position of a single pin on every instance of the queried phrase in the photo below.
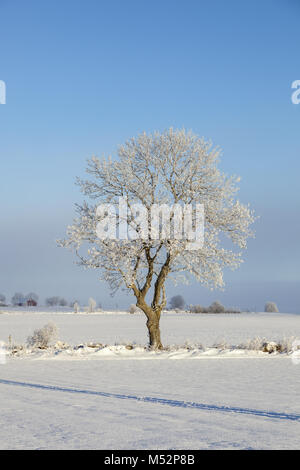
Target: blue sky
(83, 76)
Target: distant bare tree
(18, 299)
(56, 300)
(32, 297)
(52, 301)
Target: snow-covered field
(185, 398)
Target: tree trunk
(153, 317)
(154, 332)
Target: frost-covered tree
(271, 307)
(92, 305)
(175, 167)
(76, 307)
(42, 337)
(177, 301)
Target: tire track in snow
(160, 401)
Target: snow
(115, 398)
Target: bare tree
(56, 300)
(2, 299)
(172, 168)
(52, 301)
(42, 337)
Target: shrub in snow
(177, 302)
(261, 344)
(43, 337)
(272, 347)
(255, 344)
(222, 344)
(76, 307)
(63, 302)
(271, 307)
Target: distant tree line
(215, 307)
(19, 299)
(56, 301)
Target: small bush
(255, 344)
(271, 307)
(222, 344)
(43, 337)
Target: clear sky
(82, 76)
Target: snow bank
(63, 351)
